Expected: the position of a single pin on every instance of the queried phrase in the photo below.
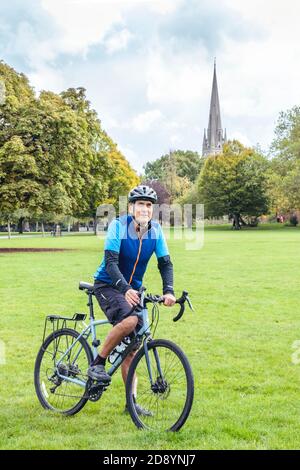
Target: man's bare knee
(130, 323)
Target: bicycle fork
(148, 362)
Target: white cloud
(260, 78)
(47, 78)
(82, 24)
(155, 93)
(176, 140)
(164, 6)
(269, 14)
(135, 160)
(177, 78)
(144, 121)
(118, 41)
(242, 138)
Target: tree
(56, 160)
(287, 135)
(284, 177)
(110, 173)
(163, 195)
(55, 138)
(18, 171)
(234, 183)
(187, 165)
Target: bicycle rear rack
(57, 322)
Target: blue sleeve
(114, 236)
(161, 248)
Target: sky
(147, 65)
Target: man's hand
(132, 297)
(169, 300)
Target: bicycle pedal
(100, 384)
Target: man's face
(142, 211)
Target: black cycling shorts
(113, 303)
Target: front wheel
(168, 400)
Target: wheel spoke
(172, 387)
(56, 392)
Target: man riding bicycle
(131, 240)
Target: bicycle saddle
(86, 286)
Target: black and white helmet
(142, 192)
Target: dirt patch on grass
(31, 250)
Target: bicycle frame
(91, 330)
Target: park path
(5, 237)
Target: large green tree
(55, 160)
(18, 172)
(284, 177)
(110, 175)
(187, 164)
(177, 171)
(234, 183)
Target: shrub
(294, 220)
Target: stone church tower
(215, 138)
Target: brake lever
(190, 303)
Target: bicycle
(165, 380)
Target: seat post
(90, 305)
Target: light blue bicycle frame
(91, 330)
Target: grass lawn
(245, 289)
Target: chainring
(94, 390)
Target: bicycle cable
(155, 317)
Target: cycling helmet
(142, 192)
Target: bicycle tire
(52, 337)
(161, 343)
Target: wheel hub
(160, 386)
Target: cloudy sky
(147, 65)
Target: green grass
(245, 290)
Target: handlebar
(160, 299)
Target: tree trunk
(236, 222)
(69, 227)
(36, 226)
(20, 224)
(43, 230)
(95, 225)
(9, 232)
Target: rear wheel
(53, 389)
(169, 399)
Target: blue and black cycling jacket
(126, 255)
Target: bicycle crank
(95, 390)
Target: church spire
(215, 139)
(204, 145)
